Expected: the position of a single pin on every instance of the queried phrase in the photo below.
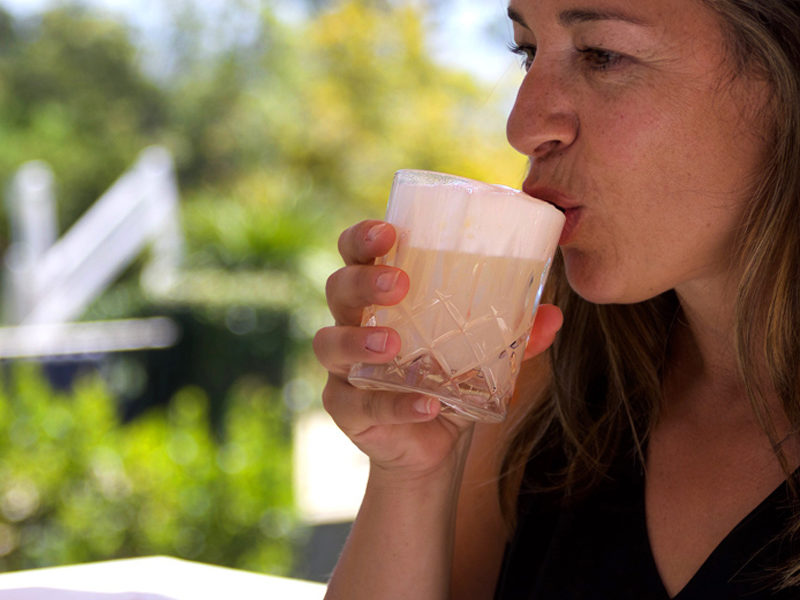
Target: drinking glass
(477, 256)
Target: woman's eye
(600, 60)
(526, 52)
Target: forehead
(642, 12)
(674, 28)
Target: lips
(572, 211)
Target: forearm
(401, 543)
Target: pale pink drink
(477, 256)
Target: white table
(151, 578)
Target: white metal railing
(50, 282)
(59, 339)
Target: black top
(598, 548)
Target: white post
(34, 227)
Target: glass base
(472, 394)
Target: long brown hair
(608, 361)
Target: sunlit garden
(282, 134)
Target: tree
(334, 106)
(73, 94)
(281, 142)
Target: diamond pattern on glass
(463, 336)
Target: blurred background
(165, 256)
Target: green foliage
(72, 94)
(327, 110)
(75, 486)
(280, 143)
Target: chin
(596, 296)
(587, 279)
(600, 285)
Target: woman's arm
(410, 540)
(401, 544)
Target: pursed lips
(571, 209)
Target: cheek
(694, 144)
(665, 180)
(628, 142)
(657, 167)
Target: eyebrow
(578, 15)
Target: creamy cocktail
(477, 257)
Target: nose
(544, 119)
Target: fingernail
(375, 231)
(385, 281)
(376, 341)
(422, 406)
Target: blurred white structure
(330, 472)
(151, 578)
(49, 283)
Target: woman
(652, 451)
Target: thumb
(545, 327)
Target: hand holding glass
(477, 256)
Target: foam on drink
(439, 213)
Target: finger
(355, 410)
(545, 327)
(363, 242)
(338, 348)
(351, 289)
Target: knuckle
(331, 283)
(319, 342)
(348, 240)
(345, 278)
(344, 238)
(328, 397)
(349, 288)
(333, 393)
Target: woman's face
(635, 125)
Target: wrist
(445, 473)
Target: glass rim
(425, 177)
